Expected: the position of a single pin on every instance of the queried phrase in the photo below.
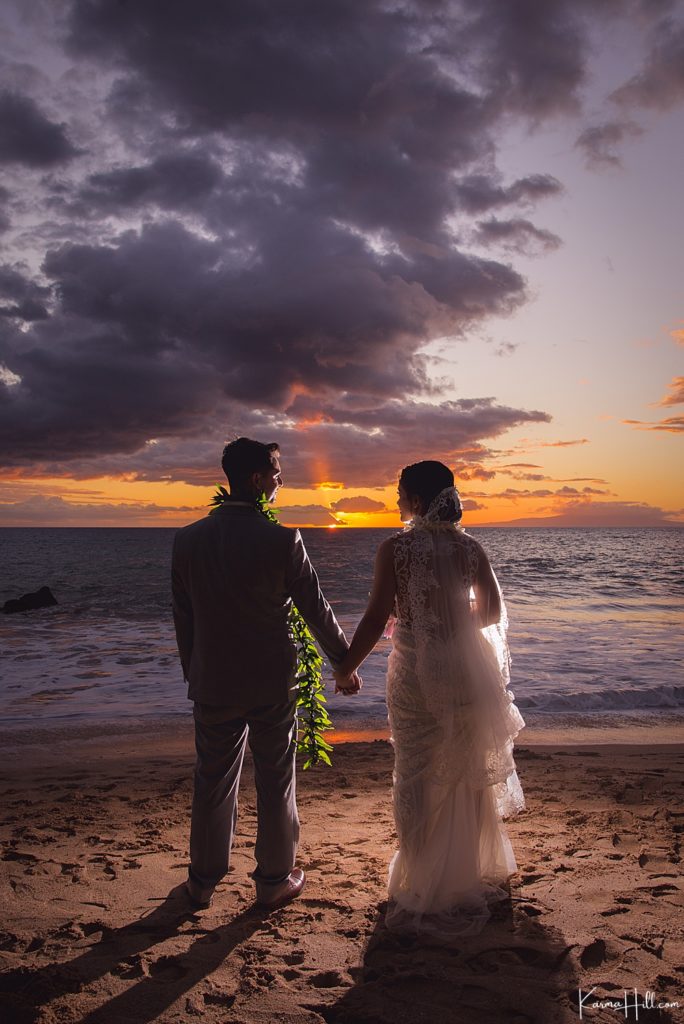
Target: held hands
(346, 683)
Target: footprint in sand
(254, 978)
(93, 927)
(10, 942)
(530, 878)
(293, 959)
(577, 818)
(490, 961)
(659, 890)
(108, 869)
(19, 856)
(169, 968)
(77, 872)
(664, 981)
(132, 967)
(594, 954)
(327, 979)
(655, 947)
(223, 999)
(341, 908)
(529, 909)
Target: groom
(235, 575)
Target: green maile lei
(311, 711)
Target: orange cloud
(476, 471)
(528, 444)
(563, 444)
(298, 387)
(313, 420)
(677, 335)
(360, 503)
(561, 496)
(603, 513)
(583, 480)
(308, 515)
(53, 510)
(671, 425)
(676, 396)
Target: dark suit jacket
(234, 578)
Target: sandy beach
(95, 926)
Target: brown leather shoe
(200, 899)
(285, 892)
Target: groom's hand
(348, 684)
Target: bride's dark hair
(425, 480)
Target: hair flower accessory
(443, 512)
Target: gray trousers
(221, 735)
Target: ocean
(595, 623)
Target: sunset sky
(373, 232)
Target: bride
(452, 718)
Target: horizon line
(541, 523)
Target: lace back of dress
(461, 670)
(453, 722)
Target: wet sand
(95, 926)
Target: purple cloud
(517, 235)
(599, 142)
(660, 82)
(28, 137)
(258, 235)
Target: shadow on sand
(119, 952)
(514, 972)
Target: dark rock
(43, 598)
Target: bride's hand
(347, 684)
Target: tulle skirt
(454, 780)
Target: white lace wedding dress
(452, 722)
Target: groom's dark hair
(243, 457)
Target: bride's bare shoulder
(467, 538)
(467, 543)
(386, 547)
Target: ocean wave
(624, 699)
